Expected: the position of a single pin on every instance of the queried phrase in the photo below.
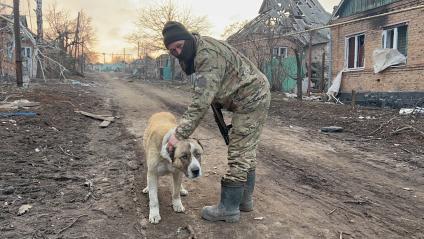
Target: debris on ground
(409, 111)
(187, 230)
(23, 209)
(46, 160)
(10, 114)
(313, 97)
(106, 119)
(17, 104)
(332, 129)
(76, 82)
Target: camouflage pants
(244, 138)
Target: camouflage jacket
(224, 76)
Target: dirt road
(309, 184)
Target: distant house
(399, 33)
(262, 40)
(7, 50)
(144, 68)
(119, 66)
(163, 63)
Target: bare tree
(60, 26)
(233, 28)
(74, 37)
(87, 37)
(152, 18)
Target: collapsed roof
(286, 16)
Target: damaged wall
(396, 86)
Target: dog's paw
(146, 190)
(154, 218)
(183, 192)
(178, 206)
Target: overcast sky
(113, 19)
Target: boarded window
(355, 51)
(396, 38)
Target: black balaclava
(187, 56)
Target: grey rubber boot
(228, 208)
(246, 204)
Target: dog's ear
(167, 154)
(172, 154)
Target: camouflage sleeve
(210, 69)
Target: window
(396, 38)
(279, 52)
(26, 52)
(355, 51)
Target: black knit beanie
(174, 31)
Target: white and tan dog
(185, 159)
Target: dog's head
(187, 157)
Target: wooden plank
(94, 116)
(105, 124)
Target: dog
(184, 159)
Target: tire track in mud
(379, 211)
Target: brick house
(7, 51)
(400, 27)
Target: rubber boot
(228, 208)
(246, 204)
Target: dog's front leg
(152, 184)
(176, 198)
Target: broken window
(396, 38)
(279, 52)
(355, 51)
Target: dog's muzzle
(195, 172)
(194, 169)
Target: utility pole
(17, 29)
(104, 58)
(125, 64)
(138, 50)
(39, 13)
(82, 56)
(76, 40)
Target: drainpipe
(309, 64)
(330, 60)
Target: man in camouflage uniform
(225, 77)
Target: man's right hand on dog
(172, 142)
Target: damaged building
(7, 50)
(380, 51)
(264, 40)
